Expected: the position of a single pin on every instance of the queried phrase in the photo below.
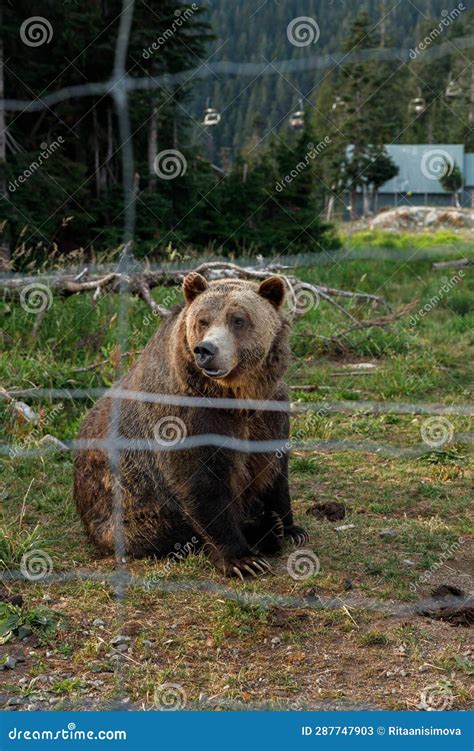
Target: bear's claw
(255, 567)
(297, 535)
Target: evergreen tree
(452, 181)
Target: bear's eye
(238, 322)
(202, 323)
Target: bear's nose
(204, 352)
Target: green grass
(404, 240)
(424, 501)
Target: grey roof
(421, 165)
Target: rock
(16, 701)
(424, 217)
(386, 534)
(147, 643)
(344, 527)
(98, 622)
(119, 639)
(122, 647)
(16, 600)
(51, 440)
(407, 562)
(25, 412)
(8, 663)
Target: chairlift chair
(211, 117)
(453, 89)
(418, 104)
(297, 118)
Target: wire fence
(122, 579)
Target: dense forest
(251, 181)
(256, 31)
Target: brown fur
(212, 494)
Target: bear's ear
(193, 285)
(273, 290)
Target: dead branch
(453, 264)
(367, 323)
(101, 363)
(141, 284)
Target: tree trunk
(152, 148)
(365, 194)
(330, 207)
(3, 185)
(353, 195)
(375, 200)
(4, 246)
(110, 151)
(96, 154)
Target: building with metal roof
(420, 167)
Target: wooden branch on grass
(462, 263)
(141, 284)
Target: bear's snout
(205, 353)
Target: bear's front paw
(250, 565)
(297, 535)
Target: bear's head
(232, 325)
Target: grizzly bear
(229, 339)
